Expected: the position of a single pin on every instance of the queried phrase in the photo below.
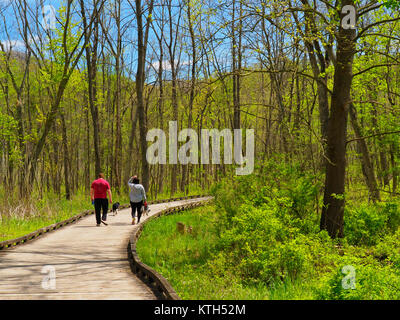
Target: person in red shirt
(98, 194)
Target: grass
(27, 217)
(163, 231)
(184, 260)
(178, 257)
(198, 270)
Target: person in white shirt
(137, 197)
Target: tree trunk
(236, 64)
(368, 169)
(67, 172)
(134, 118)
(91, 61)
(118, 136)
(395, 170)
(333, 203)
(140, 78)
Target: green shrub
(371, 282)
(367, 224)
(388, 249)
(267, 243)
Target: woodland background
(79, 99)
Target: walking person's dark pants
(100, 204)
(137, 206)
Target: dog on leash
(115, 208)
(145, 209)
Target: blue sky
(11, 32)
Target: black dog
(115, 208)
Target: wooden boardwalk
(89, 262)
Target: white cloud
(15, 44)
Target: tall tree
(334, 202)
(68, 51)
(174, 61)
(142, 39)
(91, 29)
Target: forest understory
(260, 240)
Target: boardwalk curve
(87, 262)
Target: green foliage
(9, 137)
(388, 250)
(392, 4)
(366, 224)
(371, 282)
(273, 235)
(262, 239)
(62, 48)
(287, 191)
